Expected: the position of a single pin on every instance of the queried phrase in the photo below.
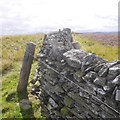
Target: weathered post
(26, 67)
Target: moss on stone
(68, 101)
(64, 111)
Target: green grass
(107, 52)
(13, 48)
(10, 98)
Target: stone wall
(72, 83)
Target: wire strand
(49, 67)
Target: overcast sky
(30, 16)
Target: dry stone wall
(72, 83)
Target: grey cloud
(13, 21)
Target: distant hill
(95, 32)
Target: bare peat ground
(104, 38)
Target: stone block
(91, 59)
(25, 104)
(103, 71)
(53, 103)
(113, 72)
(68, 101)
(100, 91)
(117, 97)
(78, 76)
(57, 89)
(90, 76)
(100, 81)
(116, 81)
(74, 57)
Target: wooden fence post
(26, 67)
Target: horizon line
(77, 32)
